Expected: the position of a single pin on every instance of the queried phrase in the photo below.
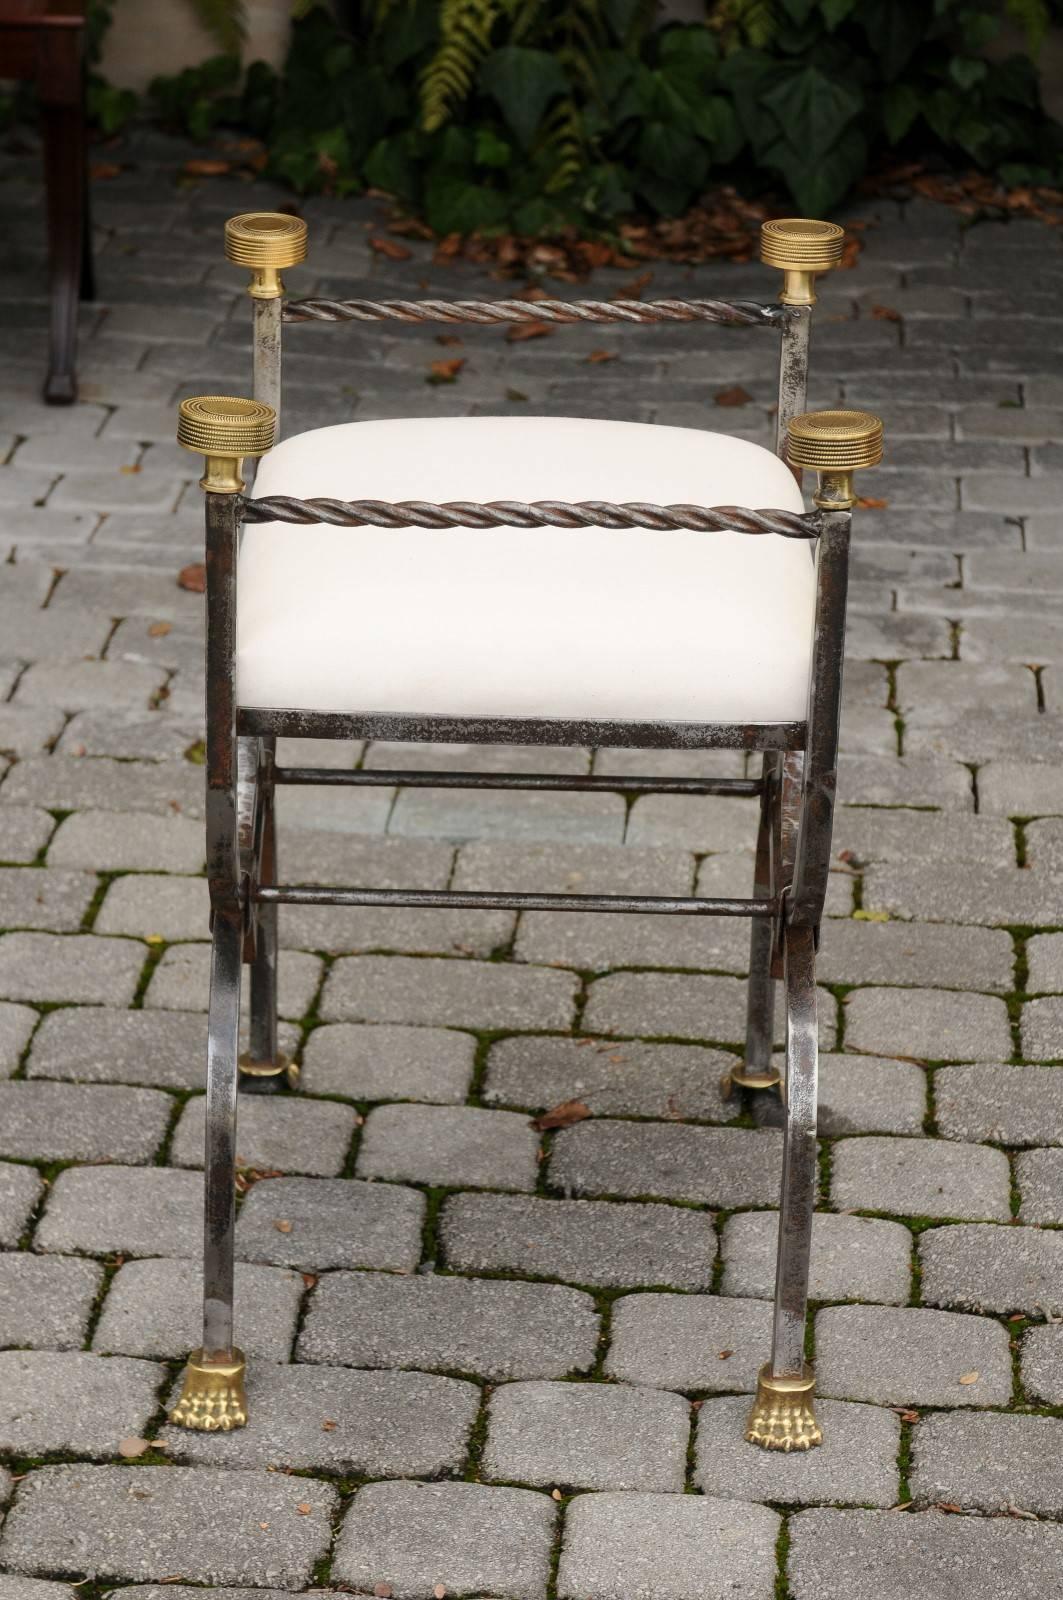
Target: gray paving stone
(45, 1302)
(15, 1588)
(386, 1061)
(952, 893)
(1042, 1028)
(989, 1463)
(1044, 954)
(467, 1538)
(985, 1268)
(69, 1122)
(461, 994)
(666, 1547)
(681, 1006)
(877, 833)
(685, 1341)
(73, 1401)
(839, 1555)
(913, 781)
(1007, 1104)
(856, 1464)
(27, 730)
(1042, 1362)
(71, 783)
(280, 1134)
(80, 968)
(449, 1145)
(155, 736)
(16, 1025)
(853, 1258)
(129, 1211)
(491, 813)
(693, 822)
(24, 831)
(710, 1166)
(921, 1178)
(865, 1094)
(574, 869)
(45, 898)
(592, 942)
(1039, 1176)
(910, 1356)
(213, 1527)
(153, 1309)
(931, 1024)
(101, 1044)
(318, 1223)
(20, 1189)
(90, 685)
(496, 1330)
(923, 955)
(1013, 787)
(181, 981)
(110, 841)
(381, 1424)
(642, 1080)
(159, 906)
(589, 1242)
(587, 1435)
(347, 930)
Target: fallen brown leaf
(264, 1526)
(885, 314)
(724, 1355)
(282, 1225)
(383, 1591)
(204, 167)
(328, 1426)
(309, 1280)
(736, 396)
(193, 578)
(133, 1447)
(104, 169)
(633, 290)
(947, 1505)
(870, 502)
(561, 1116)
(304, 1508)
(445, 371)
(596, 357)
(449, 338)
(129, 471)
(159, 630)
(903, 1505)
(527, 330)
(390, 248)
(555, 1494)
(970, 1377)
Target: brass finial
(225, 430)
(836, 444)
(265, 241)
(801, 247)
(783, 1415)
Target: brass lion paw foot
(783, 1417)
(212, 1398)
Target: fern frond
(225, 21)
(565, 138)
(464, 40)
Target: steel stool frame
(795, 790)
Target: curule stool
(668, 617)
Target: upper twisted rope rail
(733, 313)
(533, 514)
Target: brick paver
(415, 1239)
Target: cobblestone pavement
(504, 1364)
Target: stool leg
(212, 1395)
(782, 1417)
(64, 158)
(264, 1070)
(757, 1070)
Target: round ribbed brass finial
(834, 441)
(800, 244)
(225, 429)
(265, 241)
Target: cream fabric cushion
(510, 622)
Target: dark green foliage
(533, 115)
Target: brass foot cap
(740, 1078)
(783, 1417)
(260, 1073)
(212, 1398)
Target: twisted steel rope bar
(534, 514)
(736, 313)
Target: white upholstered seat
(548, 622)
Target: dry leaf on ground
(527, 330)
(885, 314)
(390, 248)
(970, 1377)
(159, 630)
(736, 396)
(870, 502)
(596, 357)
(282, 1225)
(133, 1447)
(561, 1116)
(193, 578)
(445, 371)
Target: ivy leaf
(967, 72)
(835, 11)
(454, 204)
(522, 83)
(895, 29)
(900, 107)
(814, 110)
(818, 185)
